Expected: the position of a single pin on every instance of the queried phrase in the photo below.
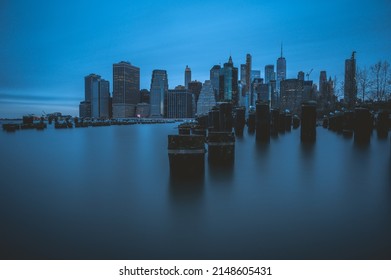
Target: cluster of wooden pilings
(186, 151)
(359, 123)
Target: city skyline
(58, 46)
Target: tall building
(215, 79)
(158, 93)
(291, 94)
(179, 103)
(281, 69)
(269, 73)
(187, 76)
(255, 74)
(243, 73)
(97, 98)
(126, 89)
(207, 99)
(350, 86)
(104, 99)
(194, 87)
(323, 83)
(248, 74)
(228, 86)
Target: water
(106, 193)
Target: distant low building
(143, 110)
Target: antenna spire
(281, 50)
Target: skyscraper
(269, 73)
(194, 87)
(158, 93)
(97, 96)
(248, 74)
(126, 89)
(350, 86)
(215, 79)
(281, 69)
(187, 76)
(228, 86)
(255, 74)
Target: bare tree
(338, 88)
(380, 80)
(363, 82)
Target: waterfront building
(143, 110)
(350, 85)
(96, 98)
(187, 76)
(158, 93)
(85, 109)
(126, 89)
(179, 103)
(207, 99)
(228, 86)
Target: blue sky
(47, 47)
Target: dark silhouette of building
(179, 103)
(187, 76)
(194, 87)
(126, 89)
(215, 79)
(350, 85)
(228, 86)
(281, 70)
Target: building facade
(158, 94)
(269, 73)
(179, 103)
(215, 79)
(97, 98)
(228, 86)
(291, 95)
(126, 89)
(207, 99)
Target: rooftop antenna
(281, 49)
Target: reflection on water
(107, 193)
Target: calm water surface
(106, 193)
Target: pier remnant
(308, 121)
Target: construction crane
(308, 74)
